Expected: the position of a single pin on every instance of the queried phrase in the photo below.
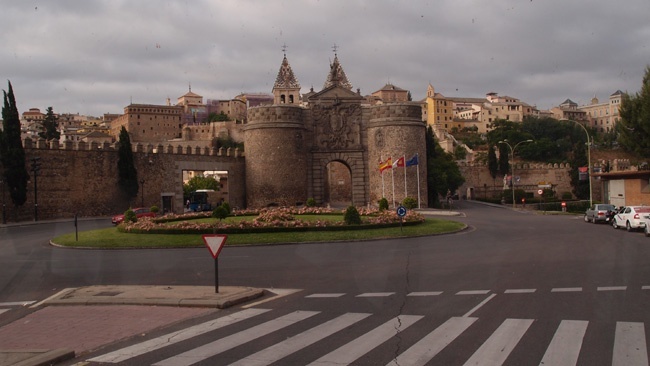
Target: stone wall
(82, 178)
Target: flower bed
(267, 220)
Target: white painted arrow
(215, 242)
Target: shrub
(154, 209)
(311, 202)
(567, 195)
(226, 206)
(130, 216)
(383, 204)
(410, 203)
(352, 216)
(220, 213)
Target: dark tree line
(12, 154)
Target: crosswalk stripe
(175, 337)
(376, 294)
(317, 296)
(630, 345)
(221, 345)
(350, 352)
(300, 341)
(566, 343)
(497, 348)
(426, 293)
(434, 342)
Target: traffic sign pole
(215, 243)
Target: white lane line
(497, 348)
(629, 345)
(280, 350)
(224, 344)
(473, 292)
(279, 292)
(353, 350)
(317, 296)
(567, 289)
(520, 291)
(566, 343)
(3, 310)
(429, 346)
(469, 313)
(426, 293)
(645, 287)
(612, 288)
(376, 294)
(175, 337)
(17, 303)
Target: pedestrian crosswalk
(316, 337)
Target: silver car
(599, 213)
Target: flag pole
(381, 172)
(418, 177)
(392, 177)
(405, 189)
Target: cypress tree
(50, 126)
(128, 175)
(12, 154)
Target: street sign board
(401, 211)
(540, 191)
(215, 243)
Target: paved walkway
(68, 327)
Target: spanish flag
(385, 165)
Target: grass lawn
(110, 238)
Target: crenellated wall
(82, 178)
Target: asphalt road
(509, 272)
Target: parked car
(599, 212)
(631, 218)
(139, 212)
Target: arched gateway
(308, 148)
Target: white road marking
(300, 341)
(630, 345)
(497, 348)
(317, 296)
(430, 293)
(224, 344)
(473, 292)
(17, 303)
(565, 346)
(376, 294)
(469, 313)
(58, 294)
(429, 346)
(3, 310)
(520, 291)
(612, 288)
(567, 289)
(353, 350)
(175, 337)
(279, 292)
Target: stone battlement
(522, 166)
(275, 113)
(179, 149)
(396, 110)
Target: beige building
(569, 110)
(603, 116)
(149, 123)
(390, 94)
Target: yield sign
(215, 242)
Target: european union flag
(412, 161)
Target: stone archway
(338, 184)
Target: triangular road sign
(215, 242)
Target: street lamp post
(142, 192)
(588, 157)
(4, 210)
(512, 164)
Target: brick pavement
(86, 328)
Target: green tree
(128, 175)
(50, 126)
(199, 182)
(504, 159)
(493, 163)
(634, 127)
(218, 117)
(12, 154)
(442, 171)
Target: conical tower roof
(286, 79)
(337, 76)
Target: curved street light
(512, 164)
(589, 140)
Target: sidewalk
(64, 325)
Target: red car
(139, 212)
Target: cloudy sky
(95, 57)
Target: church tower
(286, 89)
(337, 76)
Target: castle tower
(337, 76)
(276, 153)
(286, 89)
